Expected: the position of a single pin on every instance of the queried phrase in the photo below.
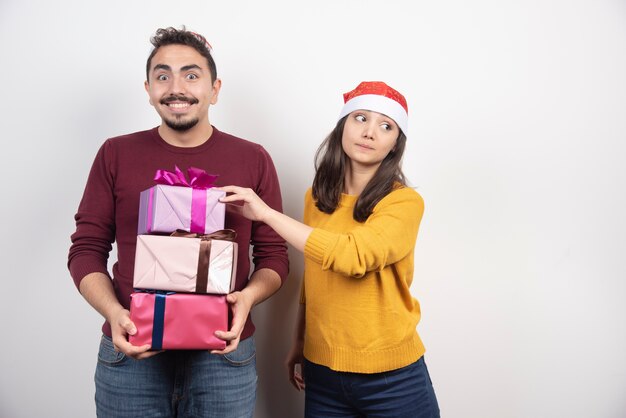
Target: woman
(356, 338)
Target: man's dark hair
(173, 36)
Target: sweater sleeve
(269, 249)
(306, 221)
(387, 236)
(95, 221)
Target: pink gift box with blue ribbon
(176, 203)
(178, 321)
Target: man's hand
(240, 303)
(97, 289)
(121, 328)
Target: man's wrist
(249, 296)
(113, 313)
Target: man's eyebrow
(183, 68)
(190, 67)
(162, 67)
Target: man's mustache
(169, 99)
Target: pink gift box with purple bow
(177, 203)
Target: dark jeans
(403, 393)
(176, 383)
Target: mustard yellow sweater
(360, 315)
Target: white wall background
(517, 144)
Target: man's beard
(176, 124)
(181, 125)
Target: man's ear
(146, 85)
(217, 85)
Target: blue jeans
(176, 383)
(403, 393)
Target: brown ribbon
(202, 277)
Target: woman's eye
(360, 118)
(386, 126)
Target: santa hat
(377, 97)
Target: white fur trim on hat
(380, 104)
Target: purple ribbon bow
(198, 178)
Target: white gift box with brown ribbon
(187, 262)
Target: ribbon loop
(198, 178)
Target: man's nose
(177, 85)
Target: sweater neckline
(348, 200)
(215, 135)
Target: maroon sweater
(125, 166)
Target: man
(132, 381)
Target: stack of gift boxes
(185, 264)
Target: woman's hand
(295, 358)
(253, 207)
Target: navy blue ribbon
(158, 318)
(157, 322)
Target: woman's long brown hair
(330, 168)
